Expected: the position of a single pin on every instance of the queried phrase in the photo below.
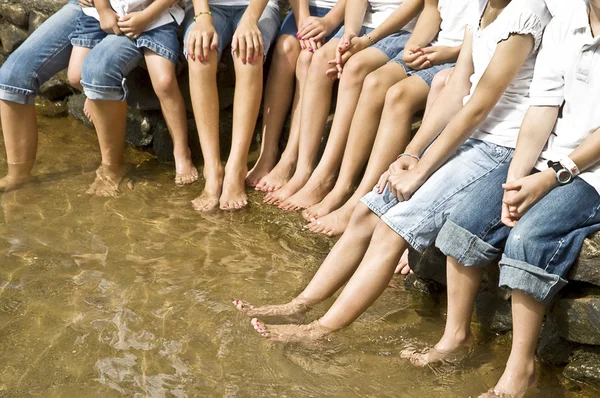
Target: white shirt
(556, 5)
(568, 72)
(123, 7)
(322, 3)
(380, 10)
(237, 3)
(525, 17)
(455, 16)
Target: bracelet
(370, 39)
(570, 165)
(202, 13)
(409, 155)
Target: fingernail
(255, 58)
(201, 59)
(347, 43)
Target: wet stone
(47, 6)
(578, 318)
(429, 265)
(493, 312)
(553, 350)
(11, 37)
(75, 107)
(14, 13)
(57, 88)
(36, 19)
(414, 283)
(585, 367)
(52, 108)
(586, 268)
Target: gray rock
(46, 6)
(14, 13)
(578, 318)
(585, 367)
(552, 349)
(57, 88)
(141, 93)
(429, 265)
(140, 127)
(75, 108)
(11, 37)
(493, 312)
(52, 108)
(36, 18)
(427, 287)
(586, 268)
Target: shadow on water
(132, 296)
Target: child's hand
(438, 55)
(202, 39)
(404, 183)
(414, 57)
(311, 45)
(522, 194)
(86, 3)
(134, 24)
(314, 28)
(109, 22)
(247, 41)
(349, 45)
(403, 163)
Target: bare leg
(519, 375)
(337, 268)
(402, 101)
(286, 166)
(78, 55)
(317, 90)
(463, 285)
(364, 287)
(205, 101)
(110, 119)
(19, 126)
(278, 98)
(164, 81)
(351, 85)
(246, 105)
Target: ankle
(454, 339)
(20, 170)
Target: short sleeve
(522, 22)
(547, 87)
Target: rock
(75, 107)
(429, 265)
(2, 59)
(52, 108)
(585, 367)
(36, 18)
(11, 37)
(14, 13)
(428, 287)
(57, 88)
(140, 127)
(552, 349)
(578, 318)
(141, 93)
(586, 268)
(47, 6)
(493, 312)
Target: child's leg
(402, 101)
(351, 84)
(78, 55)
(164, 81)
(437, 85)
(286, 166)
(279, 93)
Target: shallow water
(132, 296)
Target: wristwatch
(563, 175)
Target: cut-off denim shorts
(162, 40)
(288, 26)
(426, 74)
(419, 220)
(391, 45)
(539, 250)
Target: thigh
(163, 41)
(269, 26)
(393, 44)
(363, 63)
(110, 62)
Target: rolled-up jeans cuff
(468, 249)
(17, 95)
(105, 93)
(534, 281)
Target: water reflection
(132, 296)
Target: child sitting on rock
(152, 25)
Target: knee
(524, 239)
(384, 235)
(355, 72)
(375, 85)
(397, 95)
(319, 63)
(74, 77)
(99, 70)
(304, 61)
(165, 85)
(288, 49)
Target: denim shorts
(391, 45)
(539, 250)
(226, 20)
(45, 53)
(426, 74)
(162, 40)
(288, 26)
(419, 220)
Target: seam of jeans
(35, 75)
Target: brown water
(132, 296)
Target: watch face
(563, 176)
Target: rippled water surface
(132, 296)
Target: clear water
(132, 297)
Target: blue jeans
(419, 220)
(45, 53)
(288, 26)
(391, 45)
(539, 250)
(226, 20)
(426, 74)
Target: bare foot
(107, 182)
(10, 183)
(333, 224)
(333, 201)
(514, 383)
(291, 333)
(293, 186)
(403, 268)
(185, 171)
(86, 111)
(297, 306)
(439, 355)
(277, 178)
(259, 171)
(234, 190)
(209, 198)
(313, 192)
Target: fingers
(190, 47)
(234, 44)
(198, 47)
(306, 27)
(512, 186)
(319, 38)
(214, 43)
(261, 43)
(205, 47)
(251, 47)
(117, 31)
(242, 49)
